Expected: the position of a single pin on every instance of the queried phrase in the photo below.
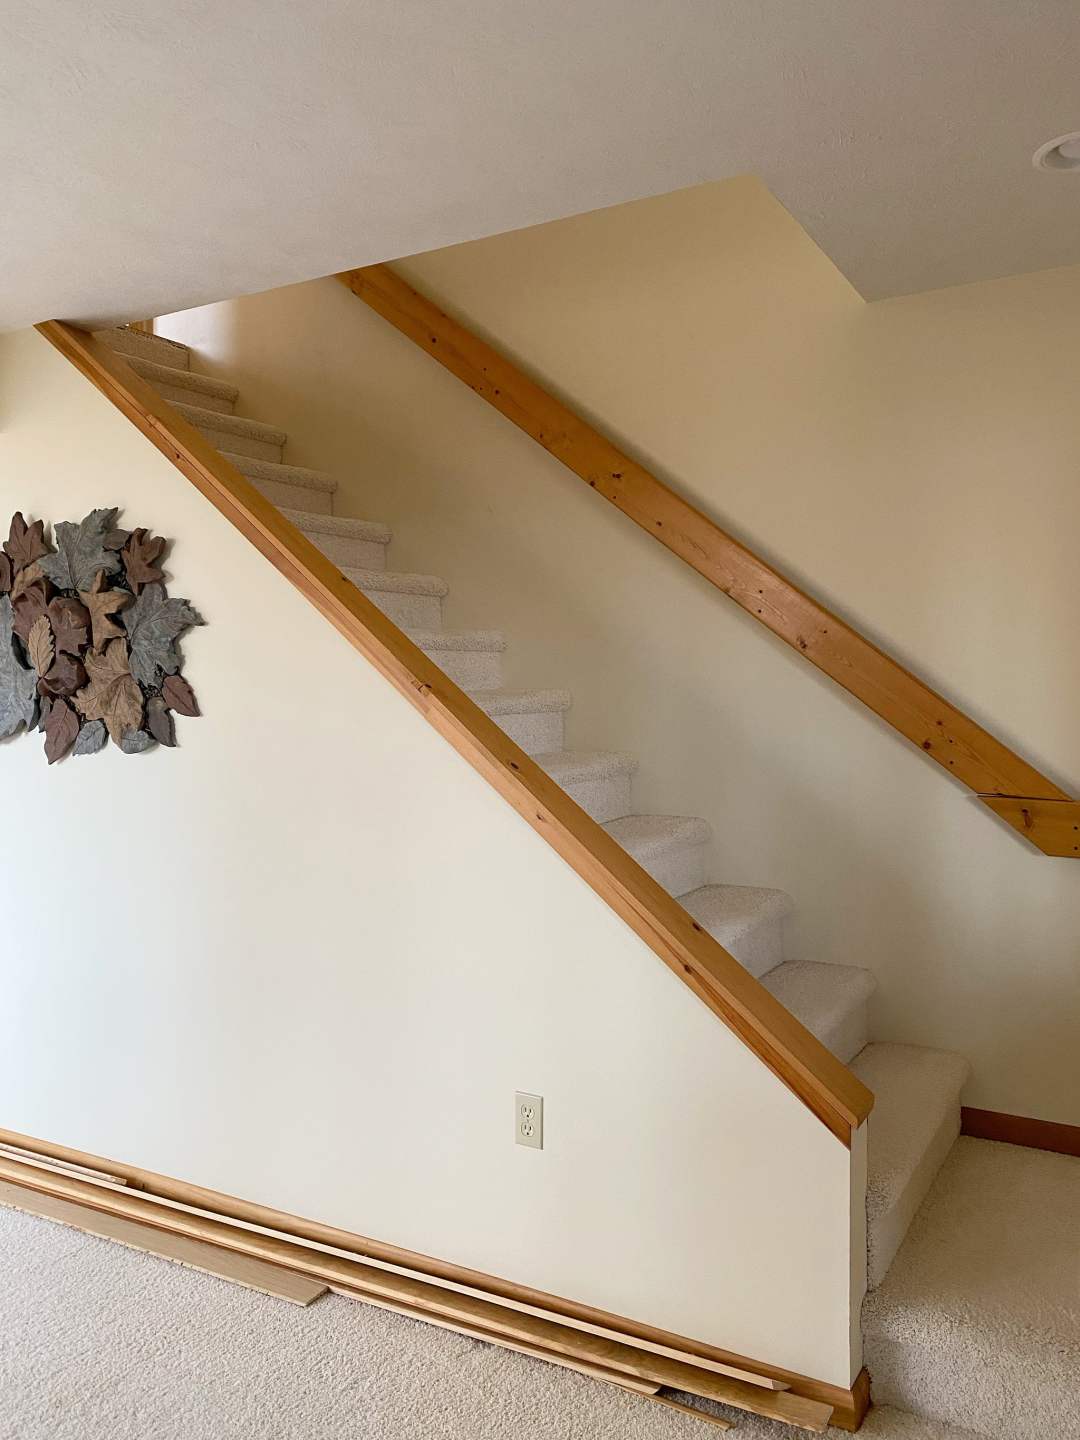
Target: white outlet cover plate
(529, 1120)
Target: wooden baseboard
(516, 1313)
(1020, 1130)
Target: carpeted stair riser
(605, 799)
(410, 612)
(292, 497)
(676, 860)
(348, 552)
(146, 347)
(185, 387)
(535, 733)
(913, 1127)
(478, 670)
(832, 1001)
(177, 396)
(306, 491)
(236, 435)
(748, 920)
(536, 721)
(599, 782)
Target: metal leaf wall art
(89, 638)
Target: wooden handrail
(791, 1052)
(959, 745)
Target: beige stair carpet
(98, 1342)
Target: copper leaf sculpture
(39, 645)
(113, 695)
(89, 638)
(29, 606)
(61, 730)
(136, 741)
(92, 737)
(179, 696)
(25, 543)
(159, 722)
(102, 605)
(81, 552)
(140, 554)
(18, 682)
(70, 625)
(65, 677)
(154, 623)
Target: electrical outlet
(529, 1120)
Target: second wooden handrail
(1006, 783)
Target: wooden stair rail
(828, 1088)
(1003, 781)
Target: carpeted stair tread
(239, 425)
(177, 379)
(148, 347)
(915, 1121)
(567, 766)
(344, 527)
(830, 1000)
(643, 833)
(395, 582)
(460, 641)
(978, 1321)
(524, 702)
(271, 470)
(746, 919)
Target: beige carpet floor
(978, 1321)
(98, 1342)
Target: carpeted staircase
(916, 1121)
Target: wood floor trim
(1022, 1130)
(594, 1335)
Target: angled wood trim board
(243, 1270)
(394, 1291)
(849, 1406)
(790, 1051)
(948, 736)
(1052, 825)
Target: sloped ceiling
(157, 155)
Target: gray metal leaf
(154, 623)
(92, 738)
(136, 741)
(81, 552)
(18, 683)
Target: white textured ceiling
(157, 155)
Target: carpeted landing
(98, 1342)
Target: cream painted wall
(913, 462)
(308, 957)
